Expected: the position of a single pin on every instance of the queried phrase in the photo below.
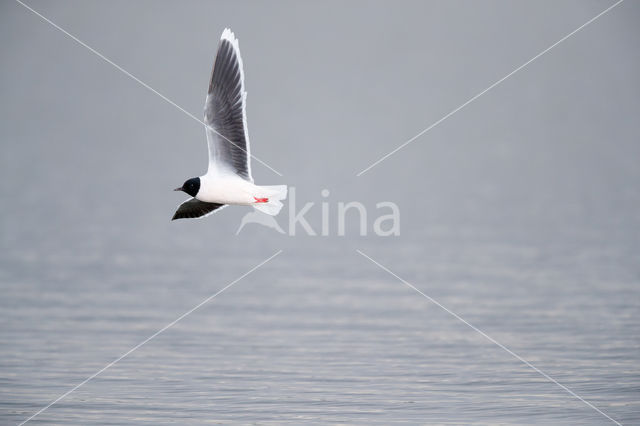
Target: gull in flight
(228, 179)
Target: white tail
(274, 194)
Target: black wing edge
(226, 73)
(225, 104)
(195, 208)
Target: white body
(225, 187)
(229, 188)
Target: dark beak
(178, 189)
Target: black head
(191, 186)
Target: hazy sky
(332, 87)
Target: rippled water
(322, 334)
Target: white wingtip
(227, 34)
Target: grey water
(520, 214)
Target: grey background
(520, 213)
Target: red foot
(261, 200)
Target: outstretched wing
(224, 111)
(195, 208)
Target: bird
(228, 179)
